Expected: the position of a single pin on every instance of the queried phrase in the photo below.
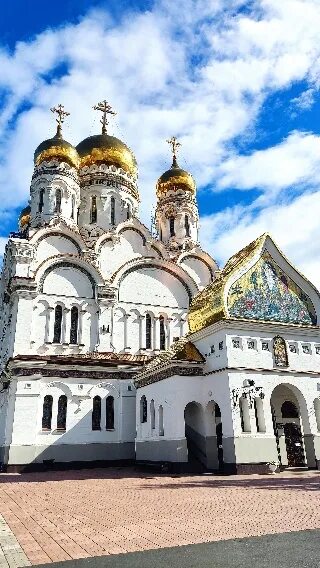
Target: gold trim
(68, 154)
(114, 156)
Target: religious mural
(266, 293)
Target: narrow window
(143, 409)
(62, 412)
(58, 201)
(171, 223)
(109, 413)
(187, 225)
(244, 414)
(161, 429)
(96, 413)
(148, 331)
(152, 415)
(112, 211)
(93, 214)
(41, 197)
(57, 324)
(259, 415)
(47, 412)
(289, 410)
(162, 333)
(73, 202)
(74, 325)
(128, 211)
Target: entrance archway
(214, 436)
(195, 436)
(291, 423)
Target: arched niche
(55, 244)
(67, 280)
(198, 270)
(153, 286)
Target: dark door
(294, 445)
(219, 444)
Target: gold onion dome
(175, 179)
(106, 149)
(56, 149)
(24, 217)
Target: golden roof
(56, 149)
(175, 179)
(275, 297)
(24, 217)
(103, 148)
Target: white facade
(85, 281)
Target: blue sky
(236, 81)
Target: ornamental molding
(23, 252)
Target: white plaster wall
(114, 255)
(198, 270)
(67, 282)
(53, 245)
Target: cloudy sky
(237, 82)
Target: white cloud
(294, 226)
(193, 68)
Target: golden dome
(57, 149)
(24, 217)
(103, 148)
(175, 179)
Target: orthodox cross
(174, 148)
(106, 109)
(59, 110)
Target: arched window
(112, 211)
(93, 211)
(62, 412)
(41, 198)
(57, 324)
(171, 224)
(152, 415)
(73, 203)
(289, 410)
(47, 412)
(244, 415)
(259, 415)
(143, 409)
(187, 225)
(96, 413)
(162, 333)
(74, 325)
(58, 201)
(161, 429)
(148, 331)
(280, 352)
(109, 413)
(128, 211)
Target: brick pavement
(77, 514)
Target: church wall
(198, 270)
(29, 443)
(53, 245)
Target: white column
(156, 334)
(168, 334)
(48, 325)
(64, 328)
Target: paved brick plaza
(76, 514)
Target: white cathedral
(120, 344)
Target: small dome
(106, 149)
(56, 149)
(174, 179)
(24, 217)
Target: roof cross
(106, 109)
(59, 110)
(175, 145)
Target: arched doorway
(214, 436)
(289, 426)
(195, 436)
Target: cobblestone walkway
(11, 553)
(77, 514)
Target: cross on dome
(175, 145)
(62, 113)
(106, 109)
